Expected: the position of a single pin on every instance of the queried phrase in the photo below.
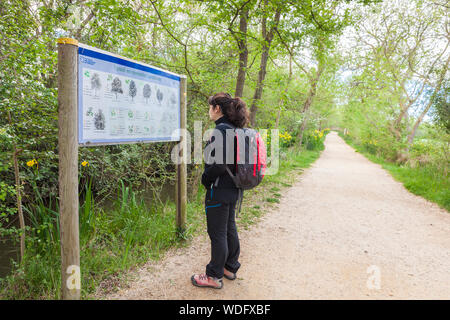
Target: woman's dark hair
(234, 109)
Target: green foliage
(314, 140)
(441, 110)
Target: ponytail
(234, 109)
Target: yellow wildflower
(85, 163)
(31, 163)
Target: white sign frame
(156, 121)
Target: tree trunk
(309, 101)
(268, 37)
(417, 123)
(394, 127)
(18, 194)
(243, 53)
(430, 103)
(302, 128)
(259, 86)
(281, 103)
(19, 202)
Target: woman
(221, 192)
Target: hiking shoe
(202, 280)
(229, 275)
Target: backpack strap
(228, 169)
(233, 177)
(216, 182)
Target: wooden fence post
(68, 168)
(181, 183)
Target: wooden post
(181, 183)
(68, 168)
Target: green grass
(426, 181)
(117, 240)
(277, 195)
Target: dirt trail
(343, 215)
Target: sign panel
(124, 101)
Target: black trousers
(225, 249)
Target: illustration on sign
(122, 101)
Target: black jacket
(217, 181)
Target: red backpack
(251, 159)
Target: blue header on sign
(127, 63)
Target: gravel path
(344, 225)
